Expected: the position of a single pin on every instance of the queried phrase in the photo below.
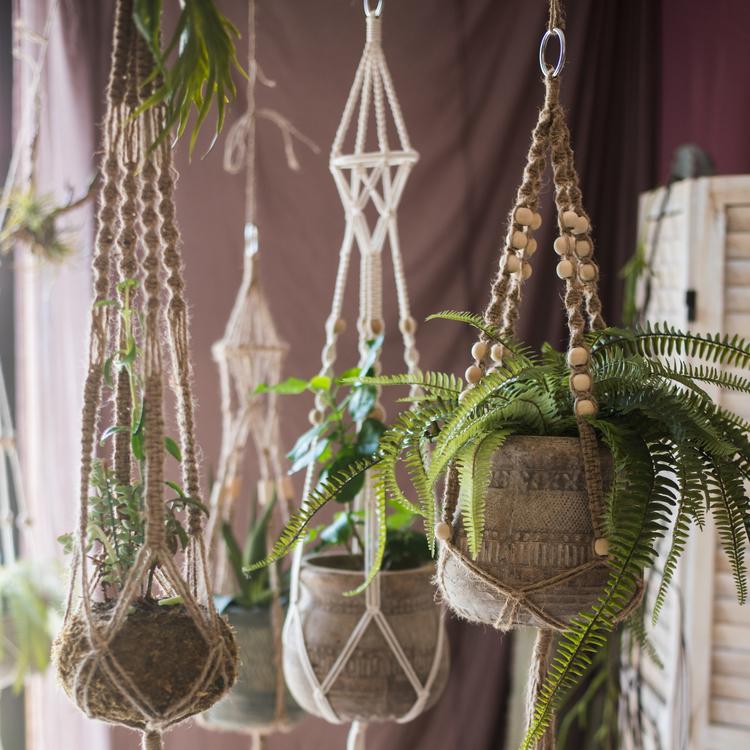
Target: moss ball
(162, 652)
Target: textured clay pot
(251, 703)
(538, 525)
(372, 685)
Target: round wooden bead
(519, 240)
(565, 269)
(377, 412)
(583, 248)
(512, 263)
(530, 247)
(563, 244)
(376, 326)
(525, 272)
(536, 221)
(524, 216)
(496, 353)
(601, 546)
(569, 219)
(443, 531)
(473, 374)
(585, 407)
(315, 416)
(581, 381)
(581, 225)
(587, 272)
(408, 325)
(479, 350)
(339, 326)
(578, 356)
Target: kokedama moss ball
(160, 649)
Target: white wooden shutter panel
(702, 698)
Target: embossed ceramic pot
(538, 529)
(372, 686)
(251, 704)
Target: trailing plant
(677, 457)
(29, 613)
(193, 70)
(343, 440)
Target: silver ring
(548, 70)
(373, 12)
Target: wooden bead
(479, 350)
(601, 546)
(525, 271)
(565, 269)
(578, 356)
(569, 219)
(536, 221)
(315, 416)
(512, 263)
(583, 248)
(443, 531)
(339, 326)
(587, 272)
(524, 216)
(530, 247)
(473, 374)
(581, 381)
(519, 240)
(581, 225)
(585, 407)
(377, 412)
(497, 352)
(408, 325)
(563, 244)
(376, 326)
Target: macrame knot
(374, 30)
(152, 741)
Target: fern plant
(677, 456)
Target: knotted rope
(367, 177)
(137, 246)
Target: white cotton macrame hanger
(367, 178)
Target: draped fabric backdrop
(467, 77)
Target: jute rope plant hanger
(398, 610)
(544, 558)
(133, 662)
(251, 353)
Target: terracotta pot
(251, 703)
(538, 526)
(372, 685)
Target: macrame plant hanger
(137, 238)
(365, 178)
(250, 354)
(580, 273)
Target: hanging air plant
(562, 471)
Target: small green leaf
(362, 400)
(369, 435)
(288, 387)
(172, 448)
(176, 487)
(321, 383)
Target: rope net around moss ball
(137, 239)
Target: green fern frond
(439, 384)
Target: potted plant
(253, 702)
(370, 684)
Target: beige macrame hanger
(137, 238)
(367, 178)
(250, 354)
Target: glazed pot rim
(316, 561)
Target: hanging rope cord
(140, 184)
(357, 176)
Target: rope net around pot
(366, 180)
(523, 581)
(250, 354)
(154, 651)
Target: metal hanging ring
(548, 70)
(373, 12)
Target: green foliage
(29, 602)
(193, 71)
(677, 457)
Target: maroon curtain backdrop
(467, 77)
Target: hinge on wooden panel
(690, 303)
